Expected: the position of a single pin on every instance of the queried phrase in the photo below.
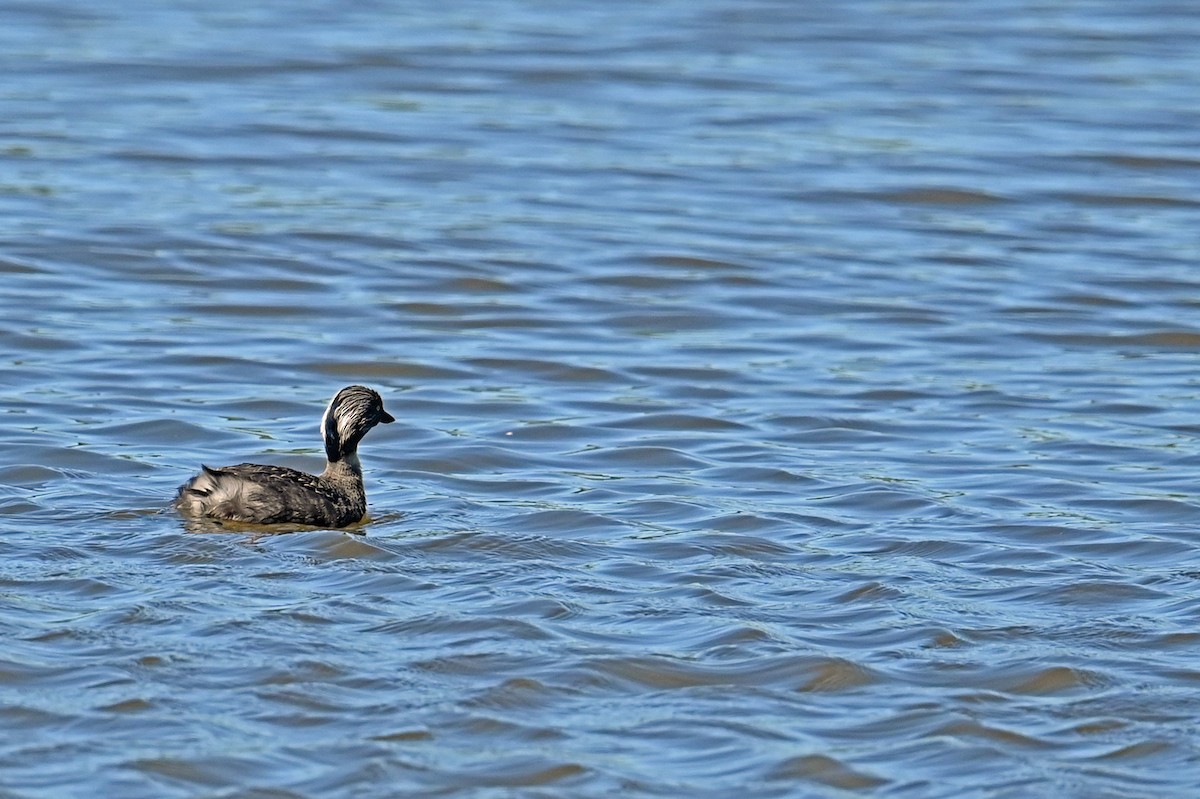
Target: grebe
(259, 494)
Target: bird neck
(347, 466)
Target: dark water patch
(940, 196)
(1152, 163)
(792, 673)
(826, 771)
(1166, 339)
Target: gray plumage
(259, 494)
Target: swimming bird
(258, 494)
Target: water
(795, 400)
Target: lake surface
(794, 399)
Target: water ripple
(752, 438)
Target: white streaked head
(350, 414)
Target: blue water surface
(794, 399)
